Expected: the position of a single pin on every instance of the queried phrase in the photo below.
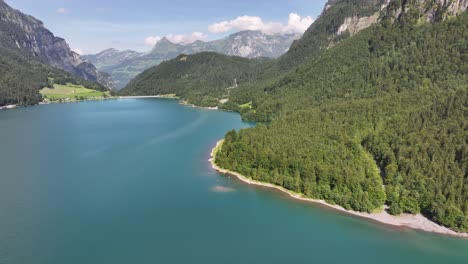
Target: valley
(222, 132)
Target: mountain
(368, 113)
(164, 47)
(110, 57)
(29, 35)
(125, 65)
(249, 44)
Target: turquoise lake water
(128, 181)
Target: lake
(128, 181)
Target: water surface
(128, 181)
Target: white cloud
(79, 51)
(186, 39)
(176, 38)
(152, 40)
(296, 24)
(62, 10)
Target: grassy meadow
(71, 92)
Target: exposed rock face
(30, 35)
(456, 7)
(440, 8)
(428, 10)
(355, 24)
(338, 17)
(254, 44)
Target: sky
(90, 26)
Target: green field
(247, 105)
(71, 92)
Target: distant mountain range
(28, 35)
(125, 65)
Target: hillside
(363, 115)
(195, 77)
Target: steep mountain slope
(29, 34)
(125, 65)
(370, 112)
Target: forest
(203, 78)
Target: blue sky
(93, 25)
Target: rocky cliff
(29, 35)
(426, 10)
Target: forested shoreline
(399, 96)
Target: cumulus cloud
(296, 24)
(176, 38)
(79, 51)
(152, 40)
(186, 39)
(62, 10)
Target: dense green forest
(397, 92)
(204, 78)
